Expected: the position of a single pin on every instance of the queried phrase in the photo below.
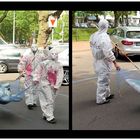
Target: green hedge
(83, 34)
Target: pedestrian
(27, 65)
(49, 76)
(101, 47)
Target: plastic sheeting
(11, 92)
(134, 83)
(132, 78)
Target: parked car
(9, 56)
(63, 58)
(84, 25)
(59, 47)
(9, 59)
(5, 45)
(127, 39)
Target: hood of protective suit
(103, 26)
(34, 47)
(53, 55)
(101, 35)
(46, 53)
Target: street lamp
(34, 36)
(14, 21)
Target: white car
(127, 39)
(63, 58)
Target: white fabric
(53, 55)
(47, 93)
(101, 46)
(28, 64)
(34, 47)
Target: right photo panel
(105, 70)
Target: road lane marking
(63, 95)
(95, 77)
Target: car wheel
(66, 77)
(3, 68)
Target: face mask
(34, 48)
(54, 56)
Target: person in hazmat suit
(27, 65)
(49, 75)
(101, 47)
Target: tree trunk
(117, 17)
(44, 29)
(127, 23)
(73, 18)
(43, 26)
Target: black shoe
(110, 97)
(44, 118)
(105, 102)
(30, 107)
(52, 121)
(34, 105)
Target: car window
(133, 34)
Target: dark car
(9, 56)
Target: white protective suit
(101, 46)
(28, 64)
(49, 75)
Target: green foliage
(27, 24)
(62, 27)
(83, 34)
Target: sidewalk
(80, 45)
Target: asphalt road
(15, 115)
(122, 113)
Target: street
(15, 115)
(122, 113)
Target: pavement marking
(95, 77)
(63, 95)
(83, 80)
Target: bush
(83, 34)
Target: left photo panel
(34, 69)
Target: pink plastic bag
(29, 70)
(52, 77)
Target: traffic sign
(52, 21)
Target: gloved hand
(118, 68)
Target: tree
(3, 16)
(26, 24)
(61, 32)
(44, 30)
(121, 14)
